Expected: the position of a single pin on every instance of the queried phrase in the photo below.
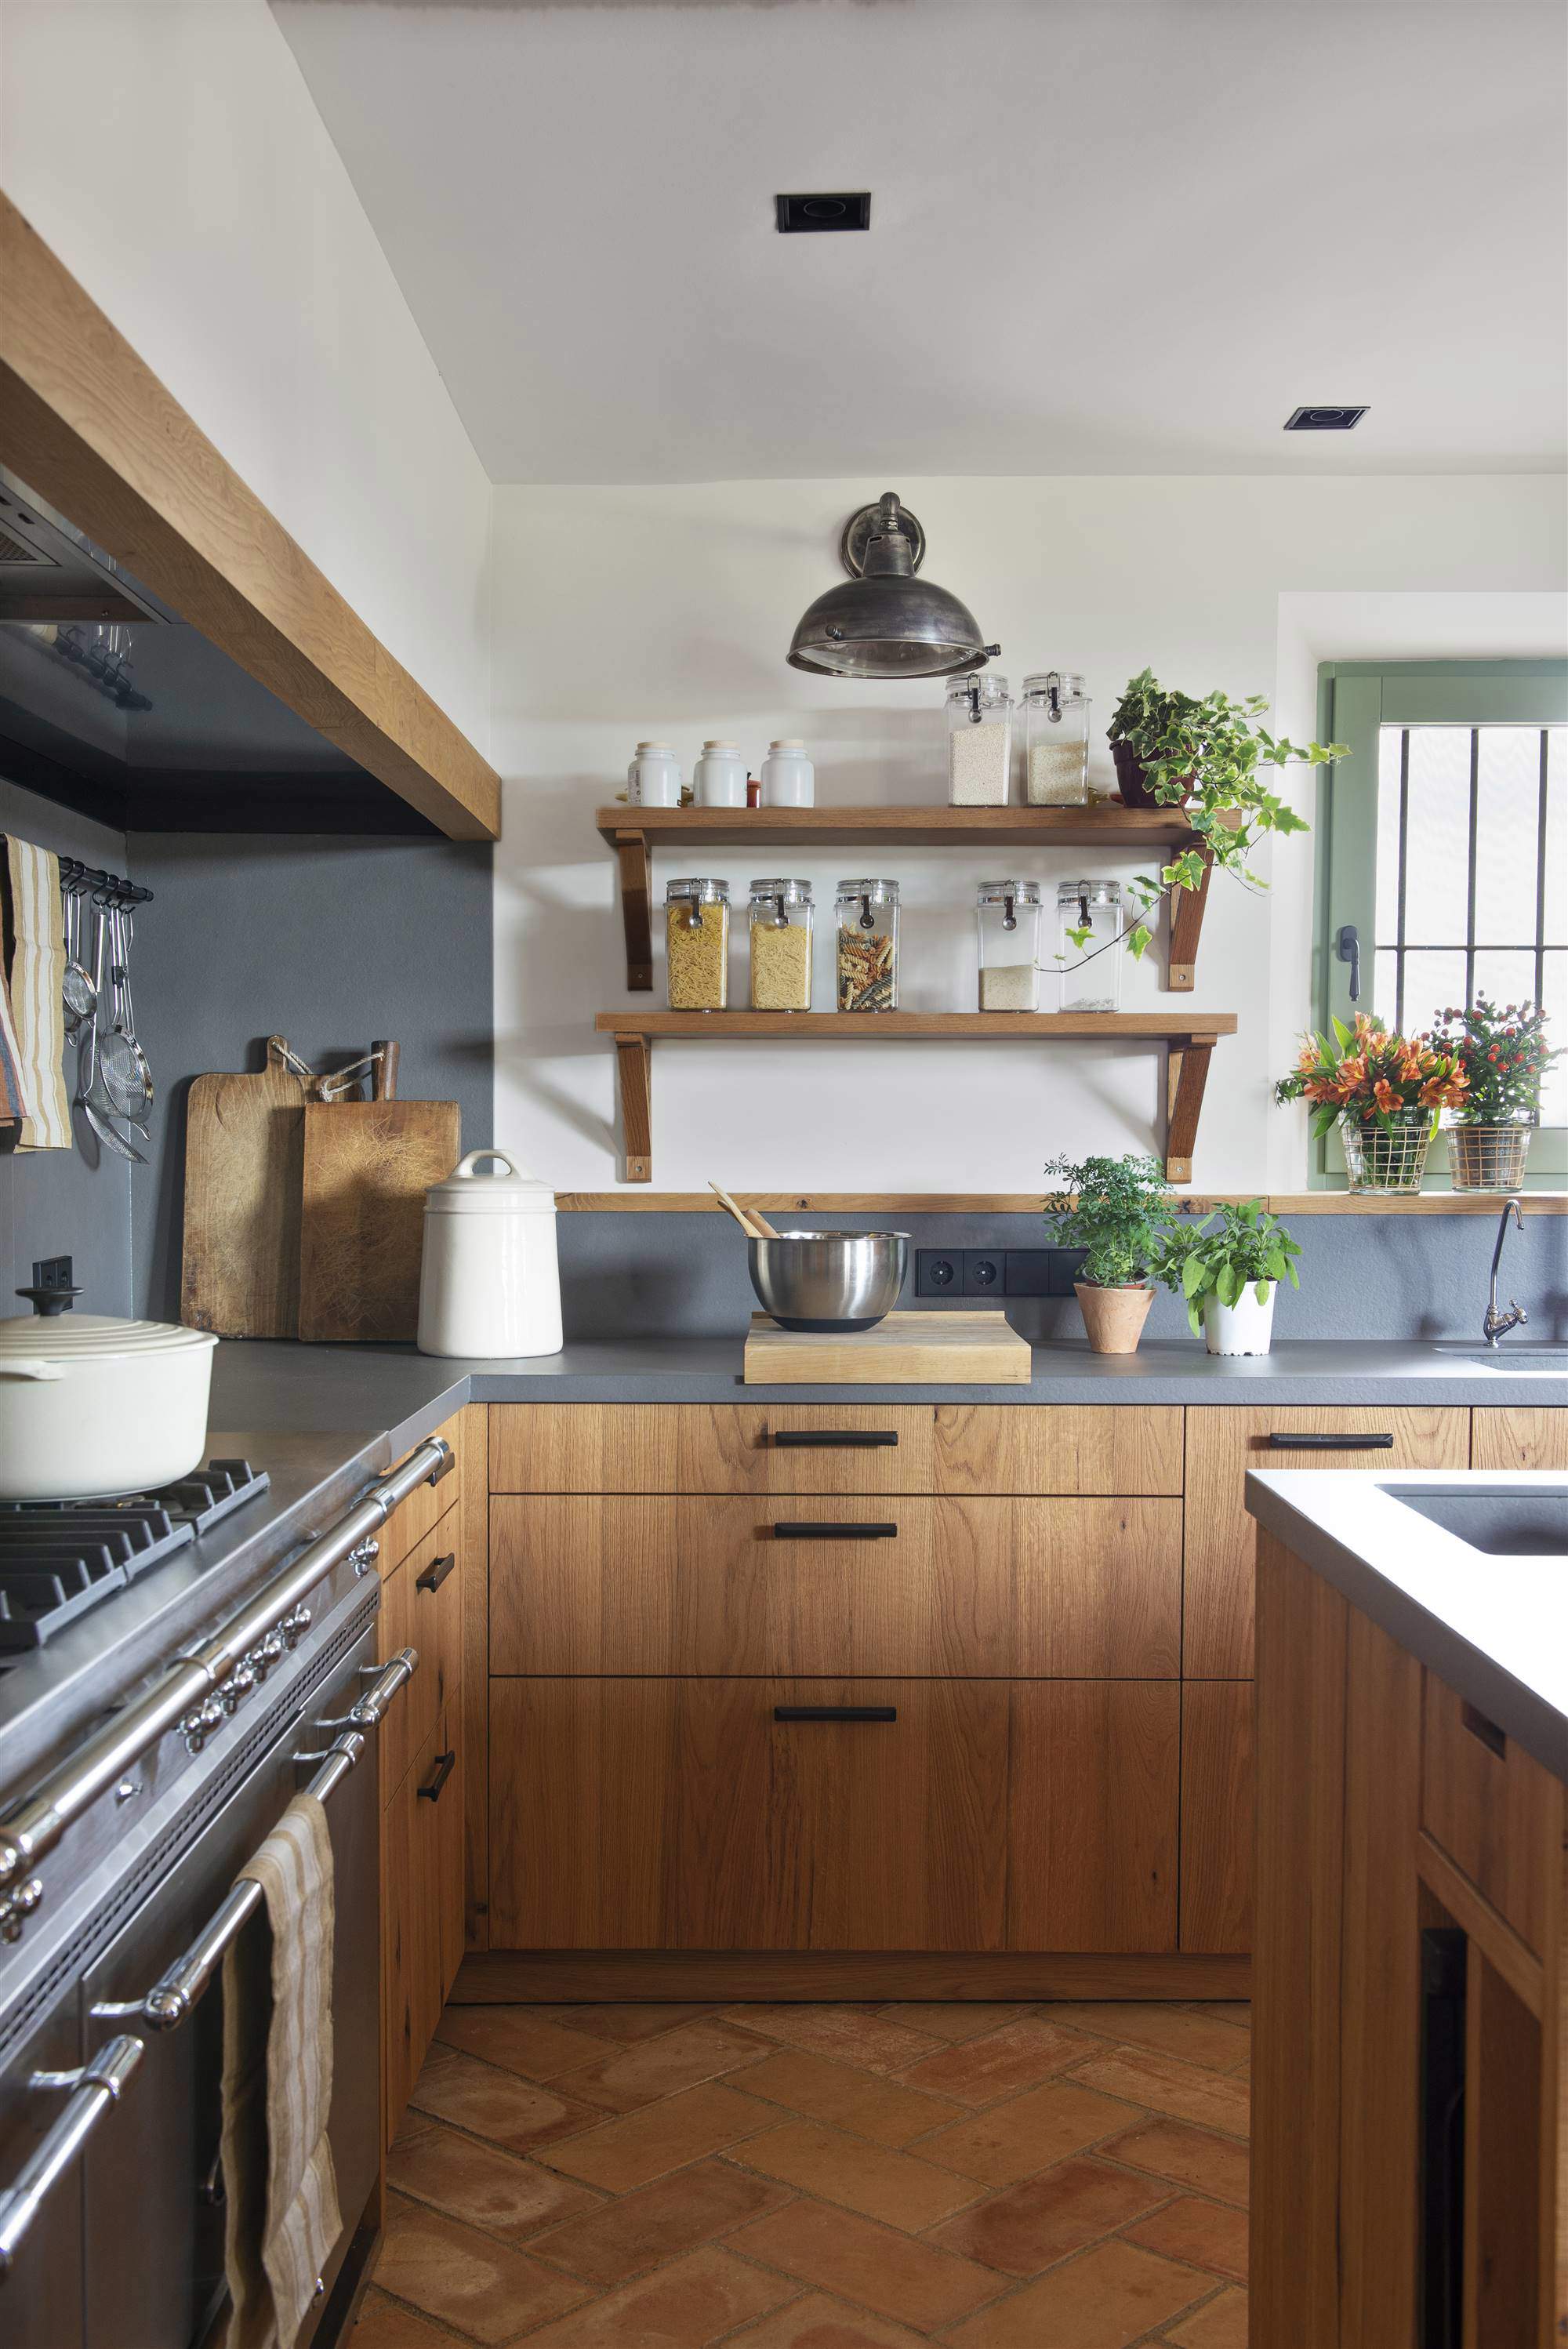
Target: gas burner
(58, 1558)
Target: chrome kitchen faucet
(1496, 1324)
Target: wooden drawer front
(1092, 1823)
(1217, 1815)
(421, 1607)
(1493, 1807)
(1222, 1444)
(702, 1448)
(680, 1814)
(1057, 1448)
(426, 1505)
(411, 1960)
(1007, 1590)
(1519, 1439)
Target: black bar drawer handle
(833, 1439)
(436, 1573)
(806, 1531)
(1332, 1442)
(1489, 1734)
(445, 1765)
(835, 1712)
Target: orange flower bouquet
(1384, 1091)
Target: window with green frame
(1442, 846)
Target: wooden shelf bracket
(634, 1068)
(632, 855)
(1187, 910)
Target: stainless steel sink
(1492, 1518)
(1522, 1359)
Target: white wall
(623, 612)
(169, 153)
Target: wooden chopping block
(368, 1166)
(905, 1348)
(243, 1144)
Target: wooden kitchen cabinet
(1520, 1439)
(1217, 1815)
(1092, 1815)
(412, 1988)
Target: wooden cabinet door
(421, 1607)
(724, 1448)
(441, 1790)
(1222, 1442)
(682, 1814)
(1520, 1439)
(411, 1931)
(1057, 1448)
(1217, 1815)
(1092, 1815)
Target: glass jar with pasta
(866, 928)
(697, 946)
(780, 937)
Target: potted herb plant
(1113, 1208)
(1227, 1268)
(1503, 1059)
(1383, 1091)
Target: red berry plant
(1504, 1056)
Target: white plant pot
(1244, 1328)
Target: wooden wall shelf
(635, 831)
(1189, 1039)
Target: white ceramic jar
(92, 1407)
(718, 777)
(788, 777)
(490, 1285)
(653, 777)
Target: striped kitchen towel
(13, 1102)
(34, 936)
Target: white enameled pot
(92, 1407)
(1244, 1328)
(489, 1282)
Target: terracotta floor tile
(1028, 2226)
(621, 2022)
(999, 2062)
(1221, 2325)
(518, 2040)
(497, 2191)
(1169, 2085)
(866, 2104)
(856, 2034)
(1102, 2300)
(620, 2238)
(1238, 2010)
(493, 2104)
(1187, 2156)
(1167, 2030)
(950, 2019)
(627, 2076)
(1205, 2234)
(464, 2278)
(691, 2301)
(640, 2147)
(833, 2249)
(383, 2325)
(880, 2184)
(1014, 2140)
(819, 2322)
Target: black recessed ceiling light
(1324, 419)
(822, 216)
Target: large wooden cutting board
(368, 1166)
(243, 1139)
(907, 1348)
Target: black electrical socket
(53, 1272)
(996, 1272)
(984, 1272)
(938, 1272)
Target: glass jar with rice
(979, 741)
(1009, 916)
(781, 929)
(697, 946)
(1055, 722)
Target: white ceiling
(1107, 238)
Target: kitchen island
(1410, 2104)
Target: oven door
(153, 2209)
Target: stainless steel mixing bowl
(829, 1280)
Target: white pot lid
(467, 1192)
(92, 1337)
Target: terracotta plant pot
(1114, 1317)
(1130, 787)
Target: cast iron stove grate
(58, 1558)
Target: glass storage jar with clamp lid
(1054, 715)
(979, 741)
(1008, 913)
(781, 927)
(866, 924)
(1089, 952)
(697, 944)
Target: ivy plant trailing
(1237, 1246)
(1113, 1208)
(1212, 755)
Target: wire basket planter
(1488, 1157)
(1379, 1160)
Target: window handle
(1348, 949)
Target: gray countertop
(1494, 1627)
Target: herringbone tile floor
(1017, 2176)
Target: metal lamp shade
(883, 621)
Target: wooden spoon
(755, 1230)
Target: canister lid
(655, 746)
(1091, 893)
(711, 891)
(721, 745)
(91, 1337)
(1067, 683)
(789, 743)
(467, 1192)
(878, 890)
(794, 893)
(995, 892)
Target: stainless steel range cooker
(117, 1901)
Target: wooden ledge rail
(1189, 1039)
(1032, 1203)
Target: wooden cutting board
(912, 1348)
(243, 1140)
(368, 1166)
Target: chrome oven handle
(90, 2092)
(368, 1711)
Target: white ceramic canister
(489, 1281)
(92, 1407)
(653, 777)
(1244, 1328)
(788, 777)
(718, 777)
